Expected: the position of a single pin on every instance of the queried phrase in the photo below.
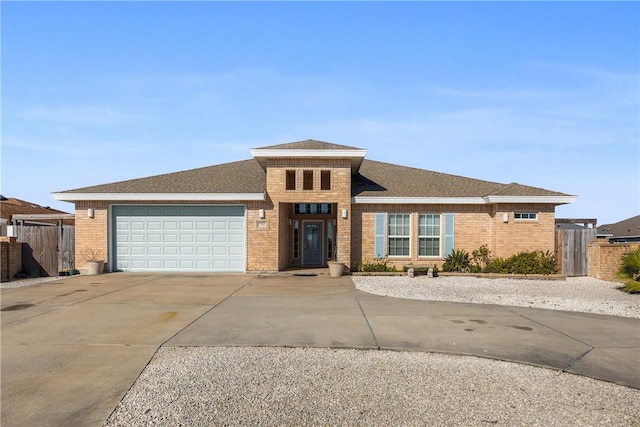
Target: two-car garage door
(179, 238)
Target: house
(625, 231)
(20, 212)
(302, 204)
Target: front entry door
(312, 249)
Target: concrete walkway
(72, 348)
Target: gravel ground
(303, 386)
(584, 294)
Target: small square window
(291, 180)
(307, 183)
(325, 180)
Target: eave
(263, 154)
(555, 200)
(161, 197)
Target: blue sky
(545, 94)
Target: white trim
(463, 200)
(399, 236)
(204, 197)
(277, 153)
(530, 199)
(439, 236)
(419, 200)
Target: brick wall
(275, 251)
(604, 259)
(475, 225)
(91, 233)
(10, 258)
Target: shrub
(535, 262)
(378, 265)
(481, 257)
(457, 260)
(630, 271)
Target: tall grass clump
(629, 271)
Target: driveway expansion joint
(366, 319)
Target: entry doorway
(312, 248)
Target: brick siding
(10, 258)
(604, 259)
(475, 225)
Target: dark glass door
(312, 249)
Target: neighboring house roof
(10, 206)
(373, 182)
(626, 228)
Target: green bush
(378, 265)
(481, 257)
(535, 262)
(457, 260)
(630, 271)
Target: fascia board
(275, 153)
(464, 200)
(75, 197)
(531, 199)
(419, 200)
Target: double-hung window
(429, 235)
(399, 235)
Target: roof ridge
(308, 144)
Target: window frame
(307, 180)
(528, 216)
(438, 236)
(290, 179)
(325, 180)
(396, 237)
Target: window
(399, 234)
(526, 215)
(291, 180)
(296, 239)
(429, 235)
(325, 180)
(307, 182)
(330, 240)
(313, 208)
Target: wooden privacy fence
(46, 250)
(571, 250)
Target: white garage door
(179, 238)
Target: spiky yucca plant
(630, 271)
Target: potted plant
(95, 263)
(336, 269)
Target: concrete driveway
(72, 348)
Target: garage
(179, 238)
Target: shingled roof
(378, 179)
(373, 179)
(245, 176)
(309, 144)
